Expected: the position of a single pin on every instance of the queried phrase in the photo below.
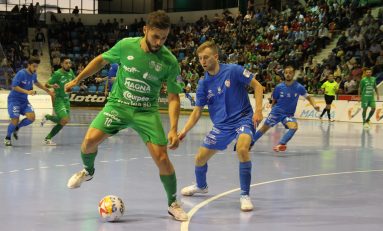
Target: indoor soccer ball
(111, 208)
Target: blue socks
(24, 122)
(245, 177)
(287, 136)
(11, 129)
(200, 174)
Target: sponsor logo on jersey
(246, 73)
(227, 83)
(148, 76)
(156, 66)
(137, 85)
(130, 69)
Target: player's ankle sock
(24, 122)
(328, 114)
(200, 175)
(53, 118)
(324, 111)
(88, 161)
(257, 135)
(245, 177)
(287, 136)
(11, 128)
(54, 131)
(370, 115)
(170, 185)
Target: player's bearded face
(32, 68)
(155, 38)
(66, 64)
(289, 74)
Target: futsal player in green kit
(144, 64)
(61, 102)
(367, 90)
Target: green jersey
(60, 78)
(141, 74)
(367, 87)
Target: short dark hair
(33, 61)
(158, 19)
(63, 58)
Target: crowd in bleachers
(262, 40)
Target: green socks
(88, 161)
(170, 185)
(54, 131)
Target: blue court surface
(330, 178)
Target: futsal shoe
(76, 180)
(15, 135)
(49, 142)
(246, 204)
(175, 210)
(366, 125)
(193, 189)
(43, 121)
(7, 142)
(280, 148)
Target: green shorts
(368, 102)
(115, 117)
(61, 108)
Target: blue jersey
(225, 94)
(287, 98)
(112, 73)
(24, 80)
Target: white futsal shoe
(246, 204)
(175, 210)
(76, 180)
(193, 189)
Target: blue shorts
(16, 108)
(219, 138)
(273, 119)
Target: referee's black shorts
(329, 99)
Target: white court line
(74, 164)
(60, 165)
(134, 158)
(104, 161)
(13, 171)
(146, 157)
(29, 169)
(44, 167)
(185, 224)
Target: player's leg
(372, 105)
(27, 110)
(364, 106)
(149, 126)
(14, 114)
(324, 109)
(329, 101)
(270, 121)
(108, 122)
(292, 126)
(244, 141)
(62, 113)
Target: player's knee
(64, 121)
(243, 154)
(88, 145)
(163, 160)
(31, 118)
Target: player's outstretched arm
(174, 113)
(193, 119)
(22, 90)
(258, 95)
(93, 67)
(42, 87)
(312, 102)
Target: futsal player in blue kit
(284, 103)
(18, 104)
(223, 90)
(112, 72)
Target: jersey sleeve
(275, 94)
(201, 98)
(242, 75)
(323, 85)
(16, 80)
(53, 79)
(302, 90)
(171, 82)
(113, 55)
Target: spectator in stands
(76, 11)
(40, 40)
(350, 86)
(15, 9)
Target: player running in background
(144, 64)
(367, 90)
(61, 102)
(330, 87)
(224, 91)
(109, 80)
(284, 103)
(18, 104)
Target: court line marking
(194, 210)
